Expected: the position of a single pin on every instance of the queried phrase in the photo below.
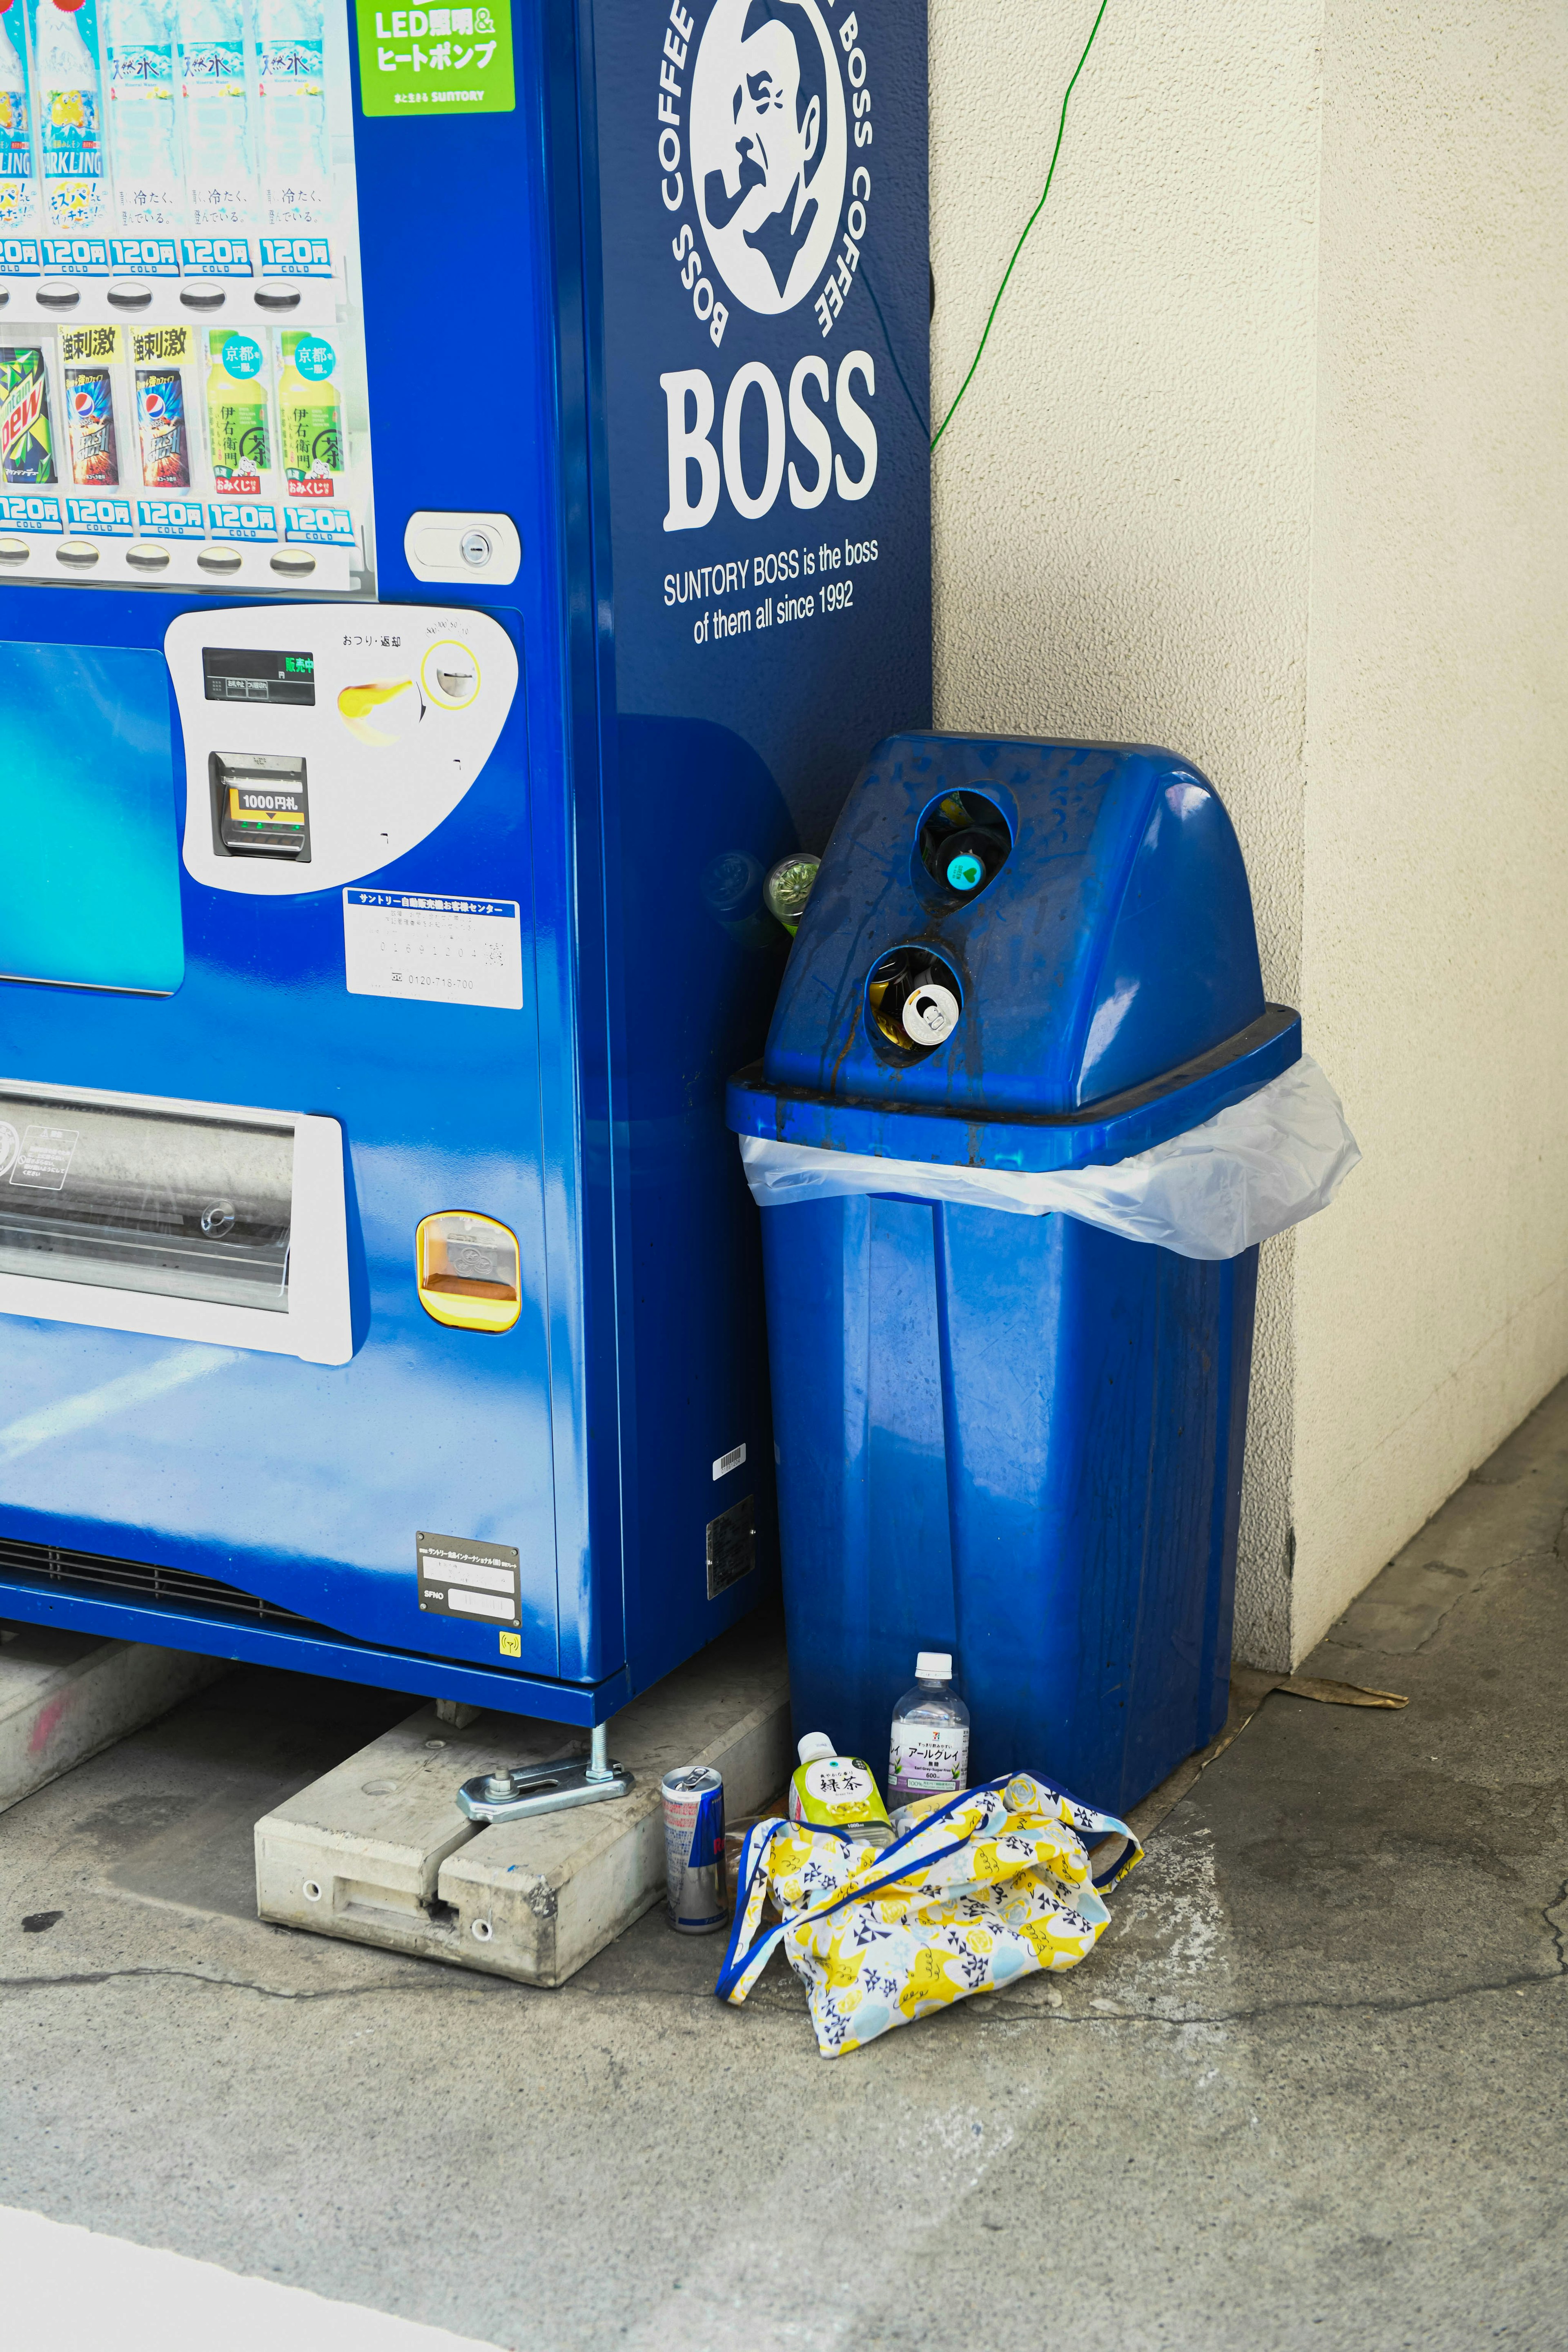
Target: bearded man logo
(768, 147)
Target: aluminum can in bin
(694, 1846)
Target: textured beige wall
(1432, 1304)
(1264, 461)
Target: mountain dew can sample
(26, 442)
(310, 415)
(694, 1849)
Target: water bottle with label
(929, 1755)
(18, 188)
(217, 112)
(68, 123)
(143, 141)
(296, 154)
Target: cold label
(171, 518)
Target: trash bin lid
(1085, 908)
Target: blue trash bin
(1018, 1438)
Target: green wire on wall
(1028, 224)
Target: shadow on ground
(1303, 2094)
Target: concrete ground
(1307, 2091)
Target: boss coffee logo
(758, 114)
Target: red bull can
(694, 1849)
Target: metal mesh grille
(134, 1579)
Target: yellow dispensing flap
(467, 1268)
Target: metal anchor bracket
(513, 1795)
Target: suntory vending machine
(463, 518)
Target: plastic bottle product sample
(831, 1792)
(142, 136)
(19, 188)
(310, 418)
(291, 71)
(237, 432)
(68, 123)
(217, 111)
(930, 1749)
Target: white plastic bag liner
(1250, 1172)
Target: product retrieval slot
(259, 806)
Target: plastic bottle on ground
(837, 1792)
(69, 128)
(930, 1749)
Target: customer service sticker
(448, 950)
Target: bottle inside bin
(929, 1750)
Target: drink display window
(181, 358)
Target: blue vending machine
(464, 516)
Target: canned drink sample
(161, 426)
(694, 1848)
(90, 419)
(26, 444)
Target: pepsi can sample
(694, 1848)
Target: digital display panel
(235, 674)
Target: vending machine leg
(513, 1795)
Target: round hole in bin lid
(963, 841)
(913, 1003)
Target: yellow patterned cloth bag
(979, 1890)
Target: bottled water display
(143, 136)
(217, 112)
(296, 154)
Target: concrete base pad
(378, 1853)
(64, 1696)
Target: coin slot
(450, 674)
(467, 1271)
